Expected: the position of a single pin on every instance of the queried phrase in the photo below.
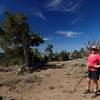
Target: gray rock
(33, 79)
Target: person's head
(94, 49)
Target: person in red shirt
(93, 66)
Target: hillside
(53, 82)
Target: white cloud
(76, 20)
(39, 14)
(72, 8)
(47, 39)
(69, 34)
(54, 3)
(63, 5)
(67, 6)
(35, 11)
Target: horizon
(66, 24)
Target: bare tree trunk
(26, 54)
(25, 51)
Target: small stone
(51, 87)
(83, 95)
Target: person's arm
(98, 65)
(87, 67)
(87, 63)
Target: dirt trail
(56, 82)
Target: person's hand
(87, 67)
(97, 66)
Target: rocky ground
(53, 82)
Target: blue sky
(67, 24)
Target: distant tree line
(64, 55)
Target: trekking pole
(81, 66)
(85, 75)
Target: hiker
(93, 66)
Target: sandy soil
(54, 82)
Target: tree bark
(25, 51)
(26, 59)
(26, 55)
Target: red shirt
(93, 59)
